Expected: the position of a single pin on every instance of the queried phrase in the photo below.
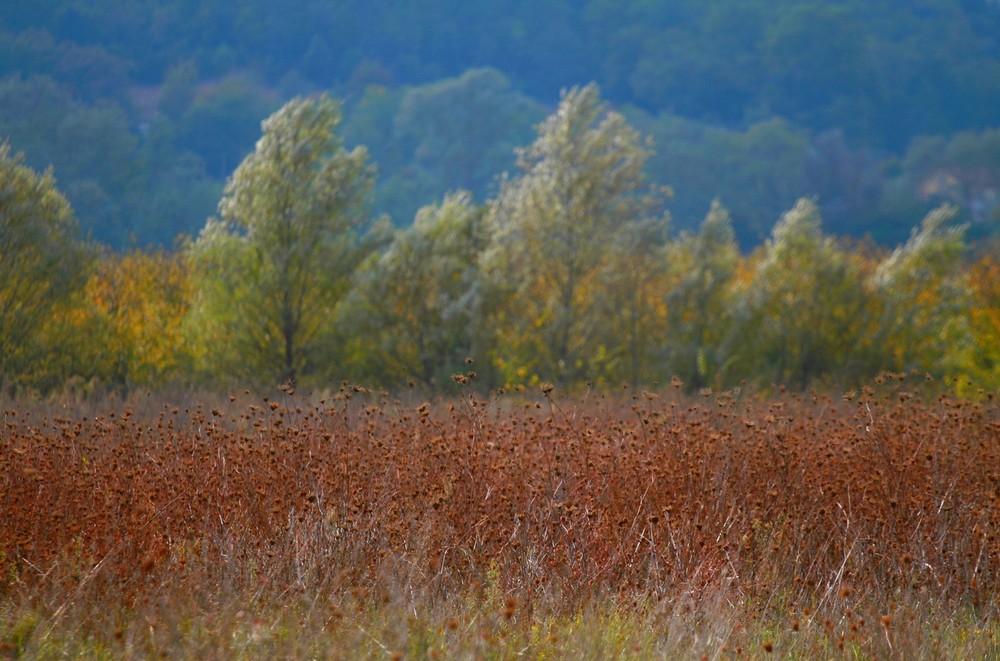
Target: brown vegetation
(723, 524)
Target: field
(624, 525)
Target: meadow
(631, 524)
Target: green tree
(415, 308)
(271, 269)
(554, 228)
(760, 171)
(92, 148)
(176, 193)
(43, 261)
(699, 298)
(984, 320)
(630, 306)
(801, 314)
(925, 294)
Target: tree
(800, 316)
(415, 308)
(142, 299)
(554, 227)
(698, 301)
(180, 87)
(630, 306)
(271, 269)
(43, 261)
(984, 321)
(92, 148)
(760, 171)
(925, 296)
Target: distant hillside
(144, 108)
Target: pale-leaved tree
(925, 294)
(699, 298)
(271, 269)
(554, 229)
(414, 311)
(804, 311)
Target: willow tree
(805, 312)
(414, 309)
(925, 294)
(272, 267)
(555, 228)
(698, 299)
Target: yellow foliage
(143, 297)
(984, 320)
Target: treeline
(570, 275)
(881, 110)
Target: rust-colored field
(751, 521)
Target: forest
(568, 193)
(881, 110)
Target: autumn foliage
(852, 518)
(570, 276)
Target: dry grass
(639, 526)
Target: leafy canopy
(275, 263)
(43, 261)
(555, 225)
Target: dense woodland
(790, 193)
(883, 110)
